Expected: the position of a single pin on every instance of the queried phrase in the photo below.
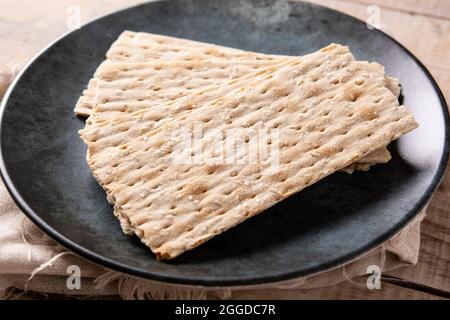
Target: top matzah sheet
(324, 125)
(173, 68)
(141, 62)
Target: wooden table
(423, 26)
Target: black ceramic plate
(44, 167)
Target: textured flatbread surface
(330, 111)
(144, 69)
(146, 50)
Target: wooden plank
(343, 291)
(433, 8)
(433, 268)
(26, 28)
(427, 38)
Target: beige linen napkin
(31, 262)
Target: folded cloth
(30, 262)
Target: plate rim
(125, 268)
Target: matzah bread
(173, 68)
(378, 156)
(329, 110)
(141, 48)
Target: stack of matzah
(329, 111)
